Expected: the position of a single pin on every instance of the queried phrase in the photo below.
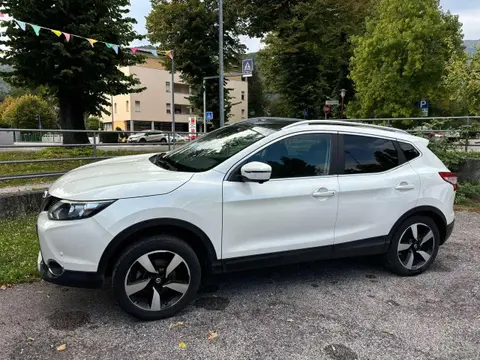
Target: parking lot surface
(340, 310)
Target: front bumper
(79, 279)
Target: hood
(117, 178)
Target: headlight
(70, 210)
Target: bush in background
(94, 123)
(28, 112)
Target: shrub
(94, 123)
(28, 111)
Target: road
(340, 310)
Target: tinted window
(368, 155)
(298, 156)
(409, 151)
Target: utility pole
(220, 58)
(204, 107)
(173, 96)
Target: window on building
(127, 106)
(167, 86)
(115, 108)
(169, 108)
(243, 113)
(137, 106)
(369, 155)
(298, 156)
(243, 95)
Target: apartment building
(152, 108)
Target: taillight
(451, 178)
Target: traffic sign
(424, 104)
(332, 102)
(247, 67)
(192, 125)
(209, 116)
(326, 109)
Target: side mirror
(256, 172)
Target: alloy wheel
(157, 280)
(416, 246)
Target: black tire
(143, 141)
(163, 141)
(391, 259)
(147, 245)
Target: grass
(18, 251)
(48, 153)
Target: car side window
(302, 155)
(409, 151)
(365, 154)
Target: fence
(34, 139)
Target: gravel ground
(340, 310)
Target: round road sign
(326, 109)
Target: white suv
(260, 192)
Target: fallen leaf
(388, 332)
(62, 347)
(177, 324)
(30, 339)
(212, 335)
(182, 345)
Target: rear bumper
(80, 279)
(448, 232)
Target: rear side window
(409, 151)
(365, 155)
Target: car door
(295, 209)
(377, 186)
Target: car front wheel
(156, 277)
(413, 247)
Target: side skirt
(365, 247)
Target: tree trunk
(71, 118)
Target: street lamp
(343, 92)
(220, 60)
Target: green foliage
(468, 194)
(306, 55)
(402, 57)
(190, 27)
(76, 74)
(28, 112)
(94, 123)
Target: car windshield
(212, 149)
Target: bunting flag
(92, 41)
(37, 28)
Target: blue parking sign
(209, 116)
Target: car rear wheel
(156, 278)
(413, 247)
(142, 141)
(163, 141)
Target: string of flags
(37, 28)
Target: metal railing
(26, 140)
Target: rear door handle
(405, 186)
(323, 194)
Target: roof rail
(347, 123)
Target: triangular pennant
(169, 53)
(109, 45)
(154, 53)
(134, 50)
(67, 36)
(36, 28)
(22, 25)
(92, 41)
(58, 33)
(115, 48)
(2, 15)
(112, 46)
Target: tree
(402, 57)
(75, 73)
(473, 84)
(29, 112)
(190, 28)
(305, 60)
(94, 123)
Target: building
(152, 108)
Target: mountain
(471, 46)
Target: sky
(468, 11)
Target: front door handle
(405, 186)
(323, 193)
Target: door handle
(405, 186)
(323, 194)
